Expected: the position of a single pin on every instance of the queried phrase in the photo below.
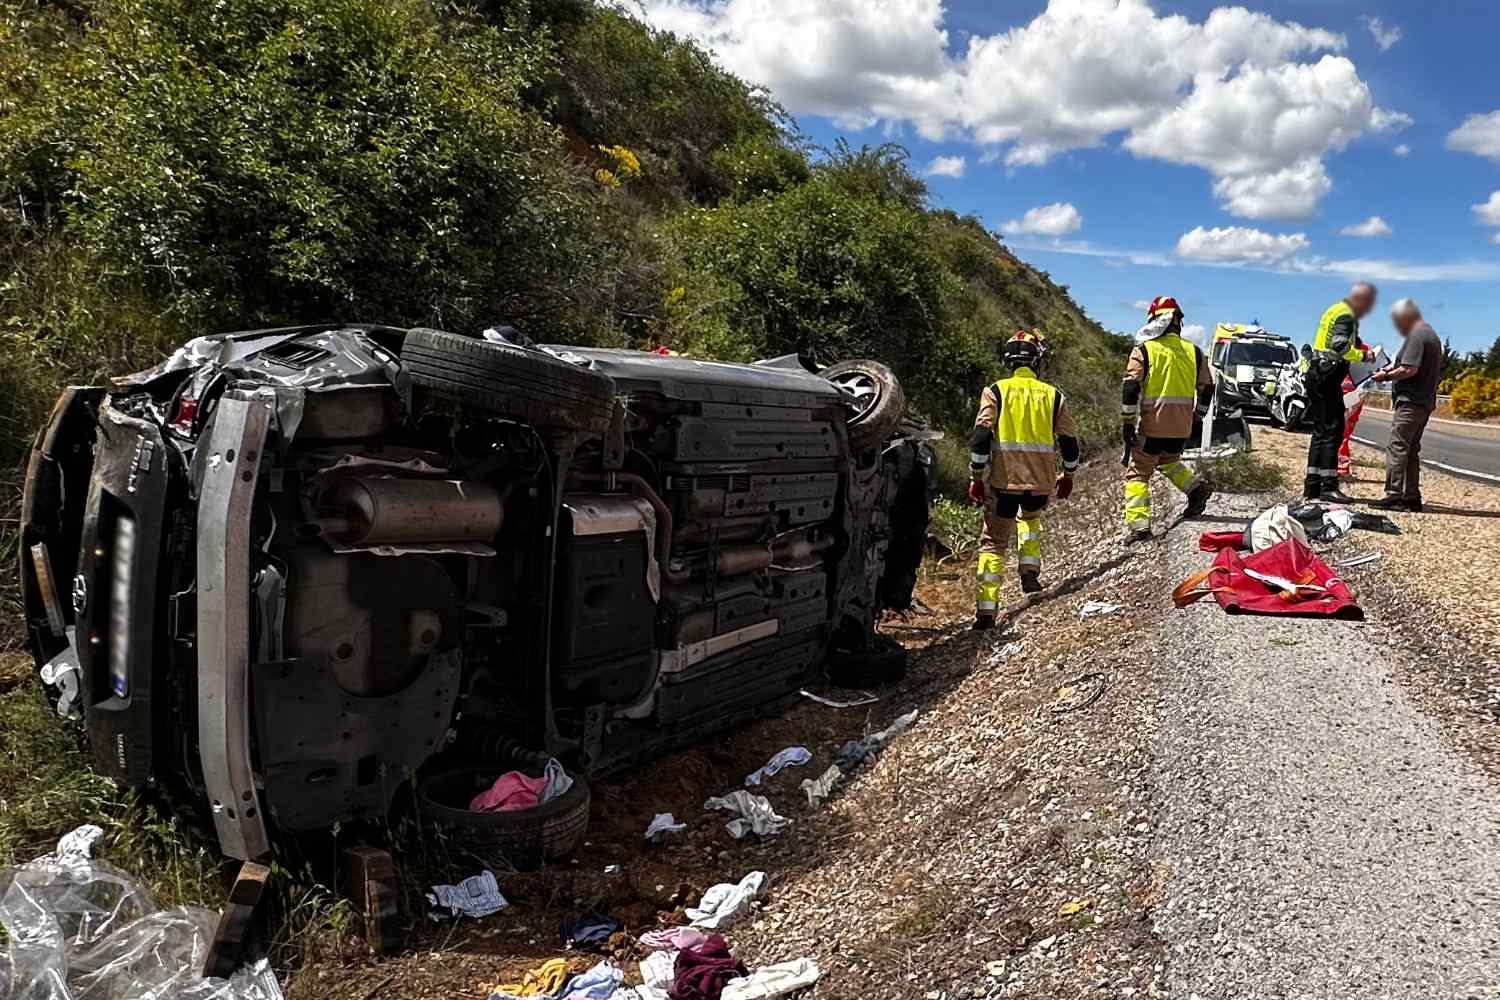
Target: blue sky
(1214, 153)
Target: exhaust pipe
(372, 510)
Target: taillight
(187, 413)
(119, 605)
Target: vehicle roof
(659, 372)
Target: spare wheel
(528, 385)
(525, 837)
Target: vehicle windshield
(1260, 353)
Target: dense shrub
(1476, 396)
(170, 167)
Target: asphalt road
(1321, 838)
(1447, 446)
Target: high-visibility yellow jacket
(1171, 373)
(1338, 334)
(1027, 418)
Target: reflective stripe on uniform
(1325, 473)
(1168, 400)
(1171, 371)
(1137, 505)
(1130, 409)
(1180, 475)
(1029, 535)
(1040, 449)
(988, 575)
(1069, 466)
(978, 458)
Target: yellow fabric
(1138, 483)
(1138, 505)
(1179, 475)
(545, 980)
(1334, 313)
(1171, 370)
(1030, 541)
(987, 577)
(1027, 405)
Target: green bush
(1476, 396)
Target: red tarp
(1286, 579)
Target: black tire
(883, 663)
(881, 398)
(525, 837)
(508, 381)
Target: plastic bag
(79, 929)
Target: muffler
(384, 510)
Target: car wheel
(878, 395)
(526, 837)
(883, 663)
(509, 381)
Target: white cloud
(1196, 332)
(946, 166)
(1373, 226)
(1239, 245)
(1141, 305)
(1479, 134)
(1488, 212)
(1056, 219)
(1402, 150)
(1231, 93)
(1385, 35)
(1292, 193)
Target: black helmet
(1023, 350)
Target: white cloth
(790, 757)
(1092, 609)
(773, 980)
(754, 812)
(1154, 328)
(724, 903)
(819, 789)
(79, 843)
(890, 732)
(1335, 523)
(1275, 524)
(661, 825)
(558, 781)
(657, 972)
(476, 896)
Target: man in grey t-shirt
(1415, 374)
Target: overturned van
(289, 570)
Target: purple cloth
(702, 971)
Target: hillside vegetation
(170, 168)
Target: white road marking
(1444, 466)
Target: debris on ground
(658, 970)
(856, 752)
(773, 980)
(818, 789)
(863, 699)
(790, 757)
(1094, 609)
(1080, 692)
(545, 980)
(1286, 579)
(673, 940)
(661, 825)
(76, 928)
(598, 983)
(590, 930)
(726, 902)
(518, 790)
(702, 972)
(754, 813)
(476, 896)
(1363, 560)
(1003, 653)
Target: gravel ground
(1324, 840)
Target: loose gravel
(1323, 839)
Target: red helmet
(1162, 304)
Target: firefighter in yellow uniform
(1022, 426)
(1335, 346)
(1167, 380)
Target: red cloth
(701, 972)
(1233, 582)
(1213, 541)
(512, 790)
(1351, 417)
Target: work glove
(1064, 486)
(976, 494)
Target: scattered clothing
(864, 699)
(1004, 653)
(598, 983)
(1336, 522)
(588, 930)
(702, 972)
(724, 903)
(675, 939)
(78, 843)
(773, 980)
(856, 752)
(790, 757)
(754, 812)
(545, 980)
(1093, 609)
(661, 825)
(819, 789)
(1286, 579)
(515, 790)
(658, 970)
(476, 896)
(1273, 526)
